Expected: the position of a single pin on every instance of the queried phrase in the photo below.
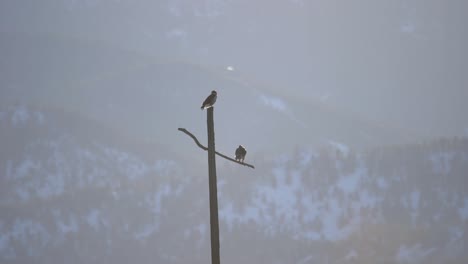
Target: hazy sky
(400, 63)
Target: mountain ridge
(64, 193)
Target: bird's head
(213, 92)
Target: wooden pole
(213, 188)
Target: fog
(353, 113)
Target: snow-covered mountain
(74, 191)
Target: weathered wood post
(213, 188)
(214, 224)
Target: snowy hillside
(72, 197)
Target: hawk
(240, 153)
(210, 100)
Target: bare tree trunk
(215, 259)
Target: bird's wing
(207, 100)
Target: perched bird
(210, 100)
(240, 153)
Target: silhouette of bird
(240, 153)
(210, 100)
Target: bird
(210, 100)
(240, 153)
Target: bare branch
(217, 153)
(194, 138)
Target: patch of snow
(147, 231)
(53, 185)
(415, 197)
(4, 239)
(6, 251)
(93, 219)
(201, 231)
(448, 198)
(273, 102)
(463, 211)
(283, 196)
(382, 183)
(311, 235)
(40, 119)
(367, 200)
(25, 167)
(154, 200)
(115, 195)
(187, 233)
(456, 233)
(283, 159)
(350, 183)
(313, 208)
(177, 33)
(202, 228)
(249, 213)
(86, 154)
(135, 170)
(70, 227)
(226, 213)
(119, 156)
(306, 157)
(20, 115)
(436, 217)
(340, 147)
(441, 162)
(413, 254)
(330, 221)
(24, 230)
(22, 193)
(330, 229)
(9, 170)
(164, 167)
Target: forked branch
(217, 153)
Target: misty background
(353, 113)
